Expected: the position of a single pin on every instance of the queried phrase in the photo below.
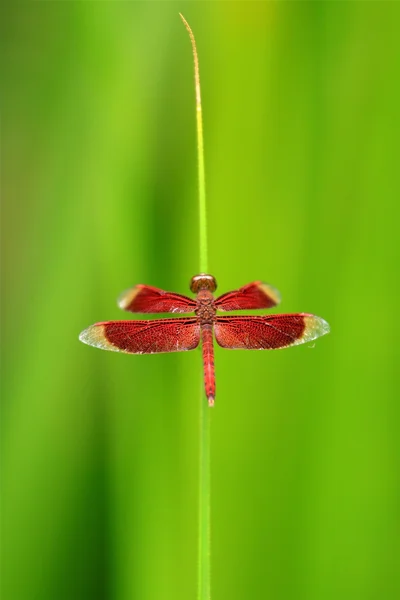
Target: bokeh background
(99, 185)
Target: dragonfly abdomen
(208, 362)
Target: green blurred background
(99, 450)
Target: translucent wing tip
(128, 296)
(315, 327)
(270, 291)
(83, 336)
(95, 336)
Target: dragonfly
(178, 334)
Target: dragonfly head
(203, 282)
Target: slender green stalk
(204, 569)
(200, 157)
(204, 549)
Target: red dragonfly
(184, 333)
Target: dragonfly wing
(269, 332)
(253, 295)
(144, 337)
(148, 299)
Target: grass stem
(204, 548)
(200, 157)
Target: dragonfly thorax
(205, 309)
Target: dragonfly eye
(203, 282)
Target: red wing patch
(148, 299)
(144, 337)
(269, 332)
(251, 296)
